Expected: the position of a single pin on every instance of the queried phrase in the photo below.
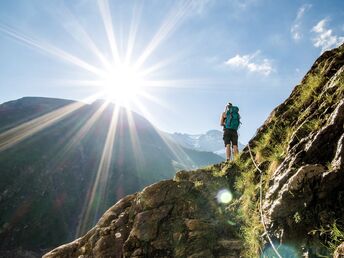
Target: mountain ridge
(210, 141)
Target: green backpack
(232, 118)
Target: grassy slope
(303, 113)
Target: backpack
(232, 118)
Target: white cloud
(302, 11)
(252, 63)
(324, 38)
(296, 27)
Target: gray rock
(339, 252)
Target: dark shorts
(230, 136)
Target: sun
(122, 83)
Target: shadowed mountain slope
(63, 163)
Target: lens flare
(283, 250)
(224, 196)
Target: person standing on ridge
(230, 120)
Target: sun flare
(120, 75)
(122, 83)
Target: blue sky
(207, 52)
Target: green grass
(336, 237)
(269, 151)
(332, 235)
(198, 183)
(308, 90)
(251, 235)
(302, 116)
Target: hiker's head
(228, 106)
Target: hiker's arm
(222, 119)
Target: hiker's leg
(235, 151)
(235, 144)
(228, 151)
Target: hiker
(230, 120)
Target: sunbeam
(104, 9)
(78, 32)
(25, 130)
(133, 31)
(156, 67)
(98, 191)
(174, 18)
(178, 152)
(61, 54)
(135, 140)
(75, 137)
(175, 149)
(144, 111)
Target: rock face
(310, 170)
(339, 253)
(305, 192)
(172, 218)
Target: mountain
(281, 198)
(210, 141)
(63, 163)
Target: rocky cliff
(293, 200)
(173, 218)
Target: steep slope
(300, 155)
(63, 171)
(300, 152)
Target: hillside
(63, 163)
(299, 151)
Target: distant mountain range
(210, 141)
(63, 163)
